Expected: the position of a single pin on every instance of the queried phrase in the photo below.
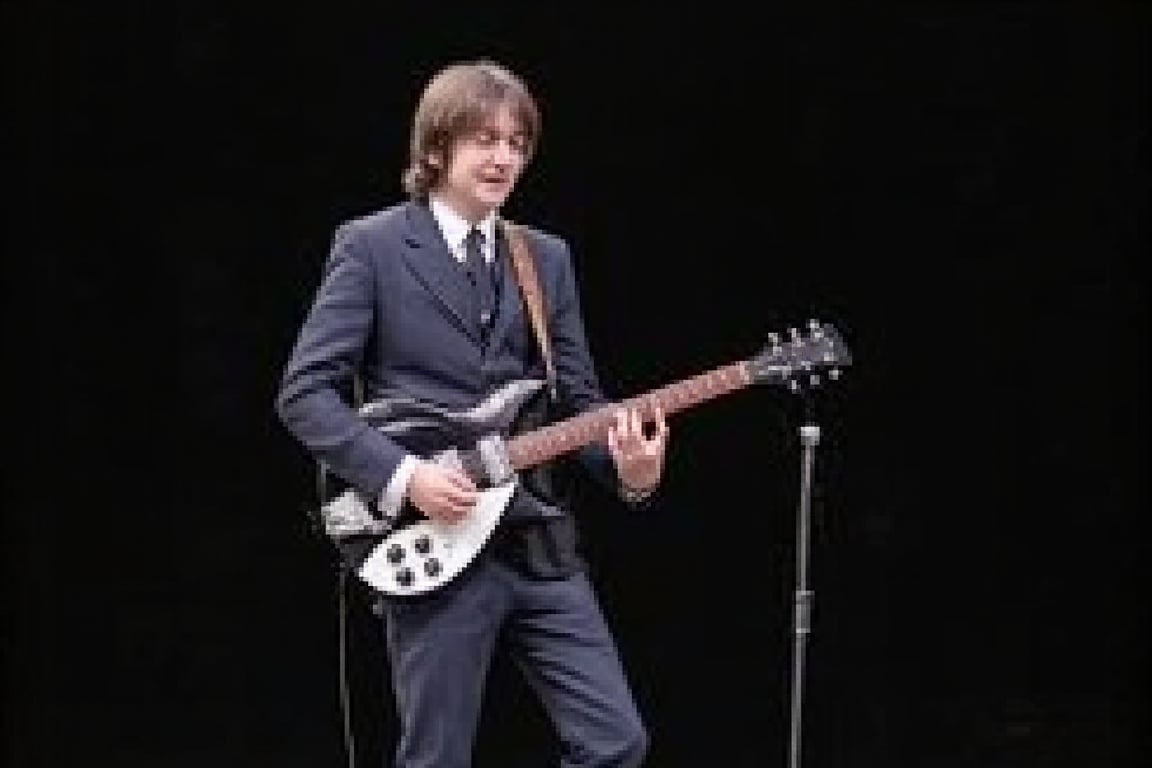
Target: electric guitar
(409, 554)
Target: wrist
(633, 495)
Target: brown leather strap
(525, 268)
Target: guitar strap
(524, 267)
(546, 549)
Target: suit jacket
(395, 307)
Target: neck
(471, 215)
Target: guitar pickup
(493, 455)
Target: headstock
(802, 359)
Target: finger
(660, 437)
(459, 511)
(462, 479)
(650, 438)
(461, 497)
(627, 431)
(621, 425)
(456, 507)
(613, 442)
(458, 479)
(635, 426)
(619, 433)
(443, 511)
(616, 451)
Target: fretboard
(546, 443)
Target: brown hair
(455, 102)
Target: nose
(506, 152)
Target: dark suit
(396, 307)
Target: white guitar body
(427, 554)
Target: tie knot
(474, 242)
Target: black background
(962, 191)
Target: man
(404, 305)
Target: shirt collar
(455, 228)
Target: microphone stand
(802, 610)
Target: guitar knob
(395, 554)
(793, 385)
(432, 567)
(814, 380)
(834, 373)
(404, 577)
(423, 544)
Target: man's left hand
(639, 455)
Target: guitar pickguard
(423, 556)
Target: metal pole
(802, 609)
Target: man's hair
(458, 100)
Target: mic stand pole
(802, 612)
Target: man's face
(484, 166)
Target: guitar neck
(546, 443)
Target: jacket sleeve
(328, 352)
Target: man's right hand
(441, 493)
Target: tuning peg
(814, 380)
(794, 385)
(816, 329)
(834, 373)
(794, 334)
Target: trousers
(440, 646)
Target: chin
(493, 196)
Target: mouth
(494, 187)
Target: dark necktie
(483, 279)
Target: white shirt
(455, 229)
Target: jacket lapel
(436, 268)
